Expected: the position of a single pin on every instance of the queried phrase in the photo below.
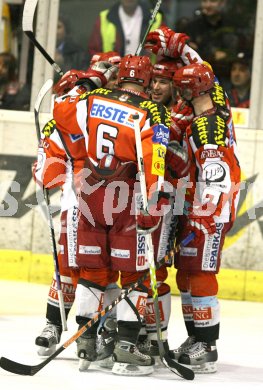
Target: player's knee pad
(89, 298)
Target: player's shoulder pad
(49, 128)
(210, 129)
(98, 91)
(158, 112)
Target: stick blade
(28, 15)
(18, 368)
(177, 368)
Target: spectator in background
(69, 54)
(240, 77)
(12, 96)
(214, 35)
(121, 27)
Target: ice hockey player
(211, 200)
(109, 238)
(60, 158)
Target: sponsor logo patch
(214, 172)
(188, 251)
(141, 252)
(211, 249)
(150, 313)
(75, 137)
(141, 305)
(120, 253)
(202, 314)
(89, 250)
(212, 153)
(111, 111)
(161, 135)
(158, 162)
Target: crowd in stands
(226, 42)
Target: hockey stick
(173, 366)
(24, 369)
(43, 91)
(27, 25)
(151, 21)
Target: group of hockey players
(192, 177)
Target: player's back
(110, 123)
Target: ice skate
(128, 360)
(48, 339)
(184, 348)
(106, 343)
(86, 351)
(150, 347)
(201, 358)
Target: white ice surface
(22, 313)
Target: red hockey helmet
(167, 67)
(194, 80)
(111, 56)
(135, 69)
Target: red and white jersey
(212, 148)
(60, 158)
(104, 118)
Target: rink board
(36, 268)
(24, 238)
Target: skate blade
(43, 351)
(84, 365)
(205, 368)
(126, 369)
(106, 363)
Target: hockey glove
(148, 220)
(182, 115)
(166, 42)
(99, 74)
(176, 160)
(201, 220)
